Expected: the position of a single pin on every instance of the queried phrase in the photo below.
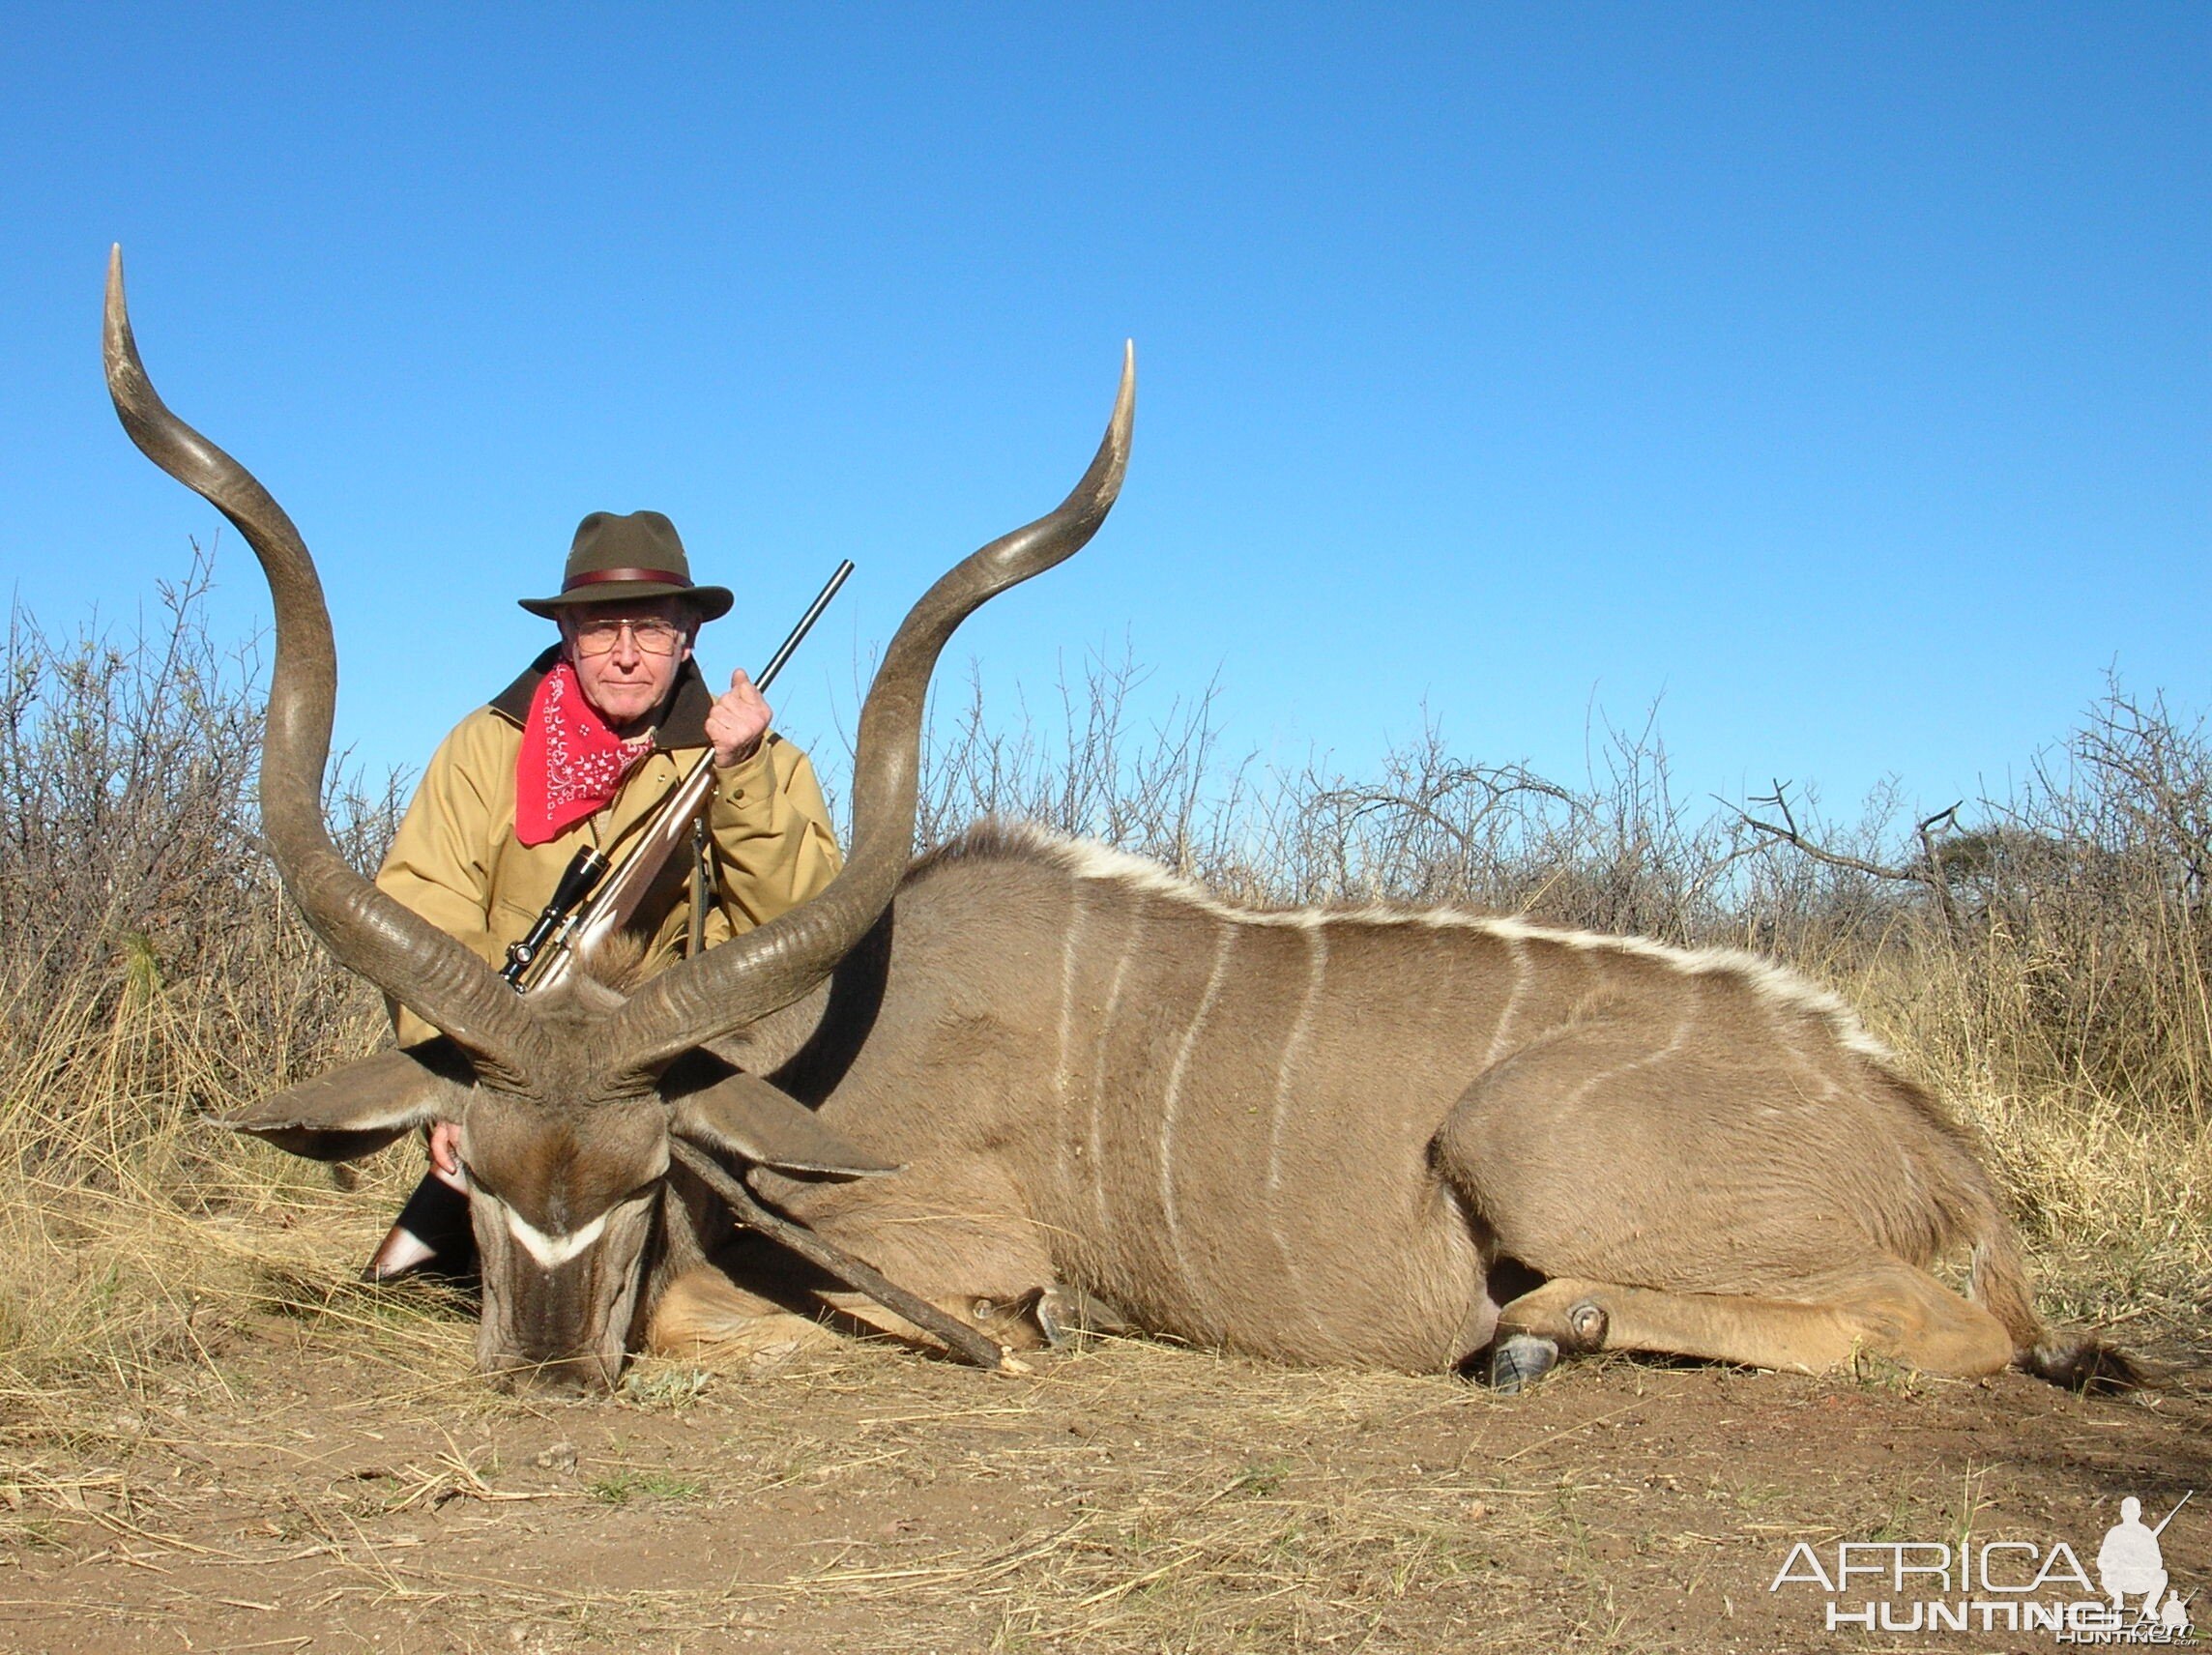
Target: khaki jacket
(456, 861)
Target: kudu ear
(357, 1109)
(742, 1115)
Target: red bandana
(570, 763)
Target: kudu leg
(705, 1317)
(952, 1230)
(1607, 1153)
(1023, 1323)
(1894, 1310)
(957, 1333)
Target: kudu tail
(2000, 1285)
(1950, 1201)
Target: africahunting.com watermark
(1972, 1585)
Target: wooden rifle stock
(593, 915)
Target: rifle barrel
(767, 676)
(805, 626)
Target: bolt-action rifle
(590, 904)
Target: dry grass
(153, 974)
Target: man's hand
(736, 722)
(445, 1146)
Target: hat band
(593, 577)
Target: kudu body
(1376, 1137)
(1381, 1138)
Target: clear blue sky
(1838, 374)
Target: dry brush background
(2044, 960)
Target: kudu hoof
(1045, 1313)
(1587, 1320)
(1518, 1361)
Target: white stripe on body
(1063, 1126)
(1522, 971)
(1645, 1060)
(1098, 1069)
(1317, 968)
(1172, 1103)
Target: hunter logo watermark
(2126, 1595)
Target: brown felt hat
(617, 556)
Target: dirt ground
(324, 1475)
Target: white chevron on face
(552, 1251)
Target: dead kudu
(1399, 1139)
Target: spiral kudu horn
(771, 967)
(411, 959)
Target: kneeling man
(580, 750)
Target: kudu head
(568, 1104)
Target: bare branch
(1789, 835)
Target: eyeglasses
(653, 638)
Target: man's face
(621, 676)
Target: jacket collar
(683, 722)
